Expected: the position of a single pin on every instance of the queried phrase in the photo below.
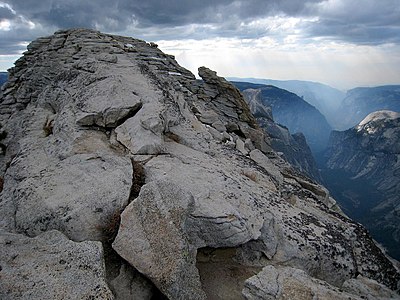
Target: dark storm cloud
(65, 13)
(156, 19)
(6, 13)
(13, 42)
(356, 33)
(359, 22)
(178, 13)
(10, 40)
(74, 13)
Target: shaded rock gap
(122, 278)
(111, 226)
(222, 263)
(131, 114)
(138, 179)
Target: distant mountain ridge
(293, 147)
(293, 112)
(342, 110)
(367, 157)
(361, 101)
(324, 97)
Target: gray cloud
(65, 13)
(361, 34)
(367, 22)
(13, 42)
(372, 22)
(6, 13)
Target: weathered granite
(50, 266)
(289, 283)
(130, 284)
(162, 252)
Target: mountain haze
(293, 112)
(293, 147)
(323, 97)
(360, 102)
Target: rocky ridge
(107, 139)
(370, 151)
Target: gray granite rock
(152, 238)
(50, 266)
(130, 284)
(289, 283)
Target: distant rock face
(3, 78)
(370, 152)
(106, 138)
(293, 147)
(324, 97)
(360, 102)
(293, 112)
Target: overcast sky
(344, 43)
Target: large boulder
(162, 252)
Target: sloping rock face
(94, 125)
(293, 112)
(323, 97)
(293, 147)
(370, 153)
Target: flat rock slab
(51, 267)
(290, 283)
(84, 189)
(106, 107)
